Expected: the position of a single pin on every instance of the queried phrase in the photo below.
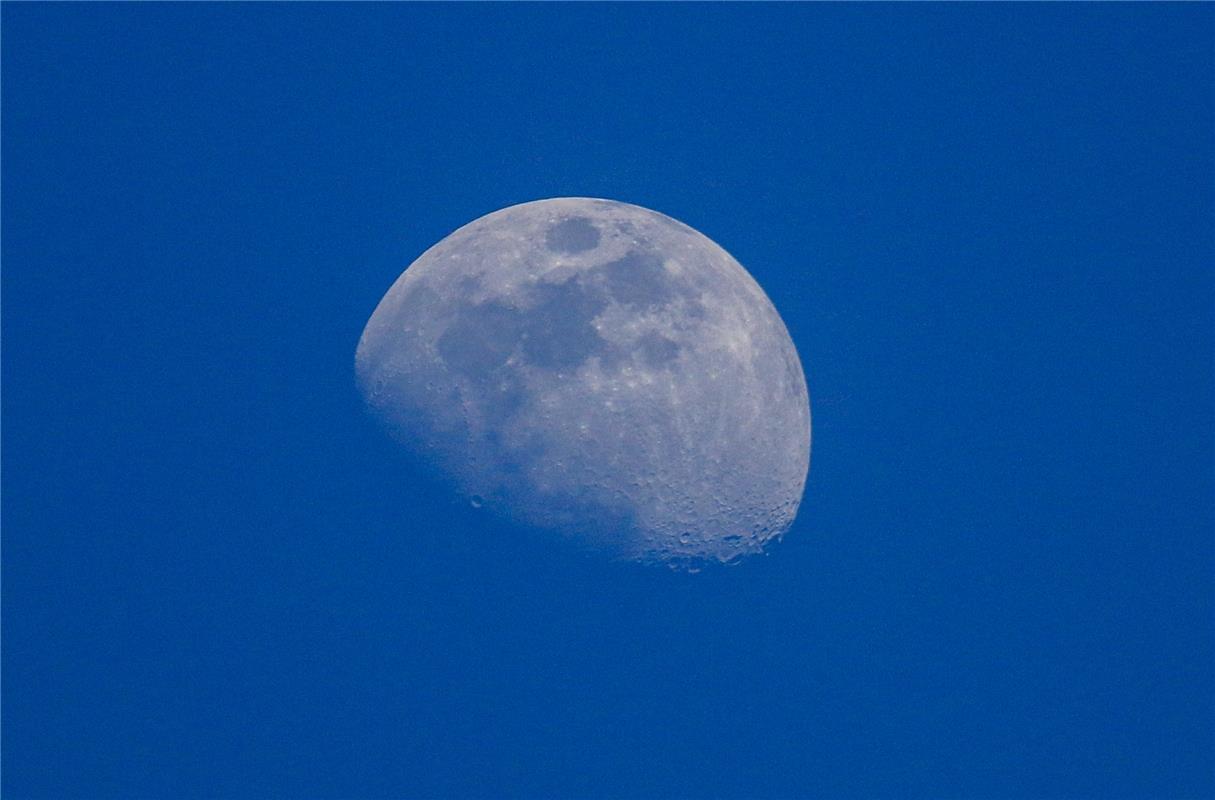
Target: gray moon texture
(599, 371)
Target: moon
(599, 371)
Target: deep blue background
(990, 230)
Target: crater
(480, 339)
(573, 235)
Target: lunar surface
(599, 371)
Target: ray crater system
(600, 372)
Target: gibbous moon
(599, 371)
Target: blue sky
(990, 230)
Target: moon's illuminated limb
(599, 370)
